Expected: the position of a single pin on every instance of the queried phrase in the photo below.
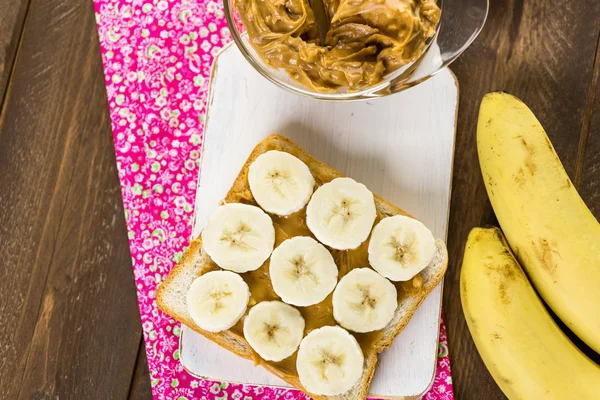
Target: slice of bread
(171, 294)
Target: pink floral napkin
(157, 56)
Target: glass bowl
(460, 23)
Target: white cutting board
(400, 146)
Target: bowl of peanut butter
(371, 48)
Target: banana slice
(364, 301)
(239, 237)
(274, 329)
(217, 300)
(302, 271)
(330, 361)
(280, 183)
(401, 247)
(341, 213)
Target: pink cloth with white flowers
(157, 56)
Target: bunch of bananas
(550, 237)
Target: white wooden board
(400, 146)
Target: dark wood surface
(544, 53)
(140, 384)
(12, 19)
(66, 284)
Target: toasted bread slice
(171, 294)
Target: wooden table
(69, 323)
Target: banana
(364, 301)
(401, 247)
(239, 237)
(526, 353)
(274, 329)
(217, 300)
(302, 271)
(330, 361)
(341, 213)
(554, 235)
(280, 183)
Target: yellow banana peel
(553, 234)
(527, 354)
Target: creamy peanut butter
(367, 39)
(320, 314)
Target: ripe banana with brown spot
(553, 234)
(526, 353)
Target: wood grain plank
(587, 118)
(589, 186)
(12, 20)
(70, 323)
(542, 52)
(140, 384)
(587, 179)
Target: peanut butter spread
(367, 39)
(320, 314)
